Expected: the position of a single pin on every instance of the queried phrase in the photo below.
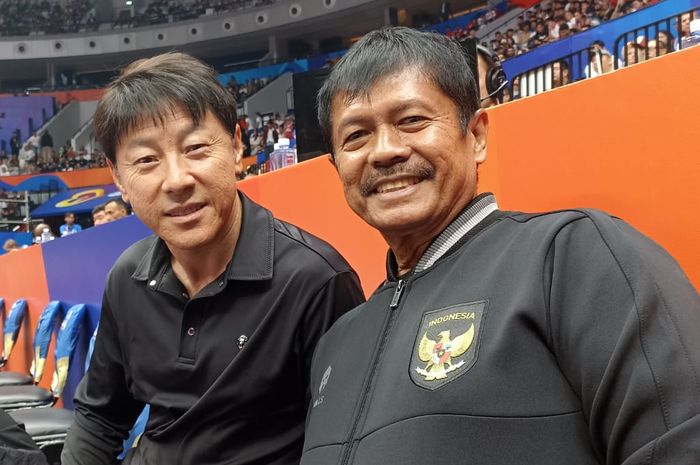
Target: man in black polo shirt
(213, 320)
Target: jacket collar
(253, 257)
(469, 220)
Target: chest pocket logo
(447, 344)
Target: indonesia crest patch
(447, 344)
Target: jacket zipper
(395, 299)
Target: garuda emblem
(439, 354)
(447, 344)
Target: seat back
(48, 323)
(66, 341)
(10, 329)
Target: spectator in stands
(115, 209)
(10, 245)
(46, 153)
(270, 135)
(4, 167)
(564, 30)
(173, 299)
(70, 226)
(34, 142)
(541, 36)
(561, 75)
(15, 142)
(42, 233)
(661, 45)
(26, 156)
(635, 51)
(13, 165)
(522, 37)
(256, 142)
(98, 215)
(686, 18)
(600, 62)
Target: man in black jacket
(498, 338)
(213, 320)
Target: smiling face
(406, 164)
(180, 178)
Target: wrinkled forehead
(361, 94)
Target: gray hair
(440, 59)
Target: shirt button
(185, 296)
(190, 332)
(153, 283)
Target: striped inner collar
(480, 208)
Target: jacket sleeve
(625, 328)
(341, 293)
(104, 409)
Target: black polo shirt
(226, 372)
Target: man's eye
(412, 119)
(194, 148)
(354, 136)
(146, 160)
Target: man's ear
(479, 129)
(237, 149)
(115, 177)
(331, 159)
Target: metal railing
(636, 45)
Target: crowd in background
(168, 11)
(23, 17)
(552, 20)
(246, 89)
(38, 155)
(471, 30)
(263, 132)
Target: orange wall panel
(310, 196)
(625, 142)
(22, 276)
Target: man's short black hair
(156, 87)
(441, 60)
(119, 202)
(98, 208)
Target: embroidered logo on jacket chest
(447, 344)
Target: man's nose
(178, 176)
(390, 147)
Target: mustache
(419, 169)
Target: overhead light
(129, 3)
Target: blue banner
(269, 72)
(81, 200)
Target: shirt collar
(253, 257)
(478, 209)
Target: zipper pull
(397, 294)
